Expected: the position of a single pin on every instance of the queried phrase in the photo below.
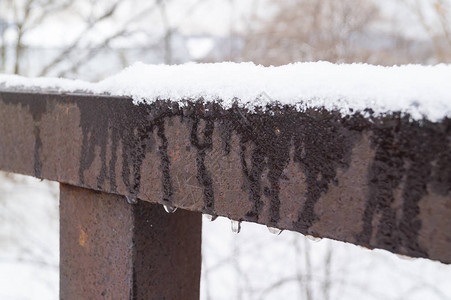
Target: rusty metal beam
(111, 249)
(381, 182)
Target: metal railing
(376, 181)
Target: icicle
(210, 218)
(274, 230)
(131, 199)
(170, 209)
(313, 238)
(236, 226)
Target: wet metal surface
(114, 250)
(380, 182)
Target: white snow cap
(421, 91)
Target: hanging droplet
(274, 230)
(170, 209)
(210, 218)
(131, 199)
(404, 257)
(236, 226)
(313, 238)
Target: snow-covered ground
(421, 91)
(253, 264)
(29, 238)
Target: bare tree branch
(63, 55)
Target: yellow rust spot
(82, 237)
(175, 154)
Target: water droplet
(236, 226)
(313, 238)
(170, 209)
(405, 257)
(210, 218)
(274, 230)
(131, 199)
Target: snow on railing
(421, 91)
(355, 153)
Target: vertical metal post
(114, 250)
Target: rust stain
(337, 208)
(435, 232)
(82, 237)
(304, 171)
(175, 154)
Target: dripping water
(274, 230)
(236, 226)
(210, 218)
(313, 238)
(169, 208)
(131, 199)
(404, 257)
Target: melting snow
(414, 89)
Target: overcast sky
(190, 17)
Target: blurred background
(93, 39)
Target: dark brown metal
(114, 250)
(381, 182)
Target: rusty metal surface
(380, 182)
(114, 250)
